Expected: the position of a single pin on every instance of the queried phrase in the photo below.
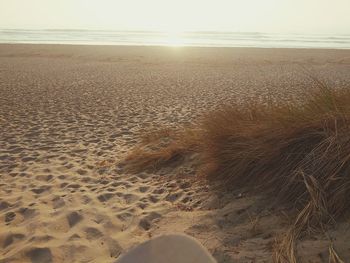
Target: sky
(280, 16)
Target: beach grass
(297, 152)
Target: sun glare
(174, 38)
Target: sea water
(201, 39)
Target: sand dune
(69, 115)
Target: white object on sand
(172, 248)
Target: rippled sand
(69, 114)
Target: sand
(70, 114)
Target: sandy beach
(70, 114)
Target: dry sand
(68, 115)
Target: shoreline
(131, 45)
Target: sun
(174, 38)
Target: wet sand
(68, 116)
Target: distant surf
(200, 39)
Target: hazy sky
(300, 16)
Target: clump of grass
(162, 147)
(294, 150)
(297, 152)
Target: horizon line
(165, 31)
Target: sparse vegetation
(163, 147)
(298, 152)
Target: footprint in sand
(92, 233)
(63, 185)
(74, 237)
(26, 212)
(4, 205)
(105, 197)
(130, 198)
(10, 216)
(45, 178)
(153, 198)
(142, 205)
(40, 255)
(41, 189)
(74, 186)
(143, 189)
(114, 248)
(58, 202)
(158, 191)
(74, 218)
(85, 199)
(13, 174)
(11, 238)
(82, 172)
(173, 197)
(61, 177)
(28, 159)
(146, 222)
(125, 216)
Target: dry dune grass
(297, 152)
(333, 255)
(162, 147)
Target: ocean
(201, 39)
